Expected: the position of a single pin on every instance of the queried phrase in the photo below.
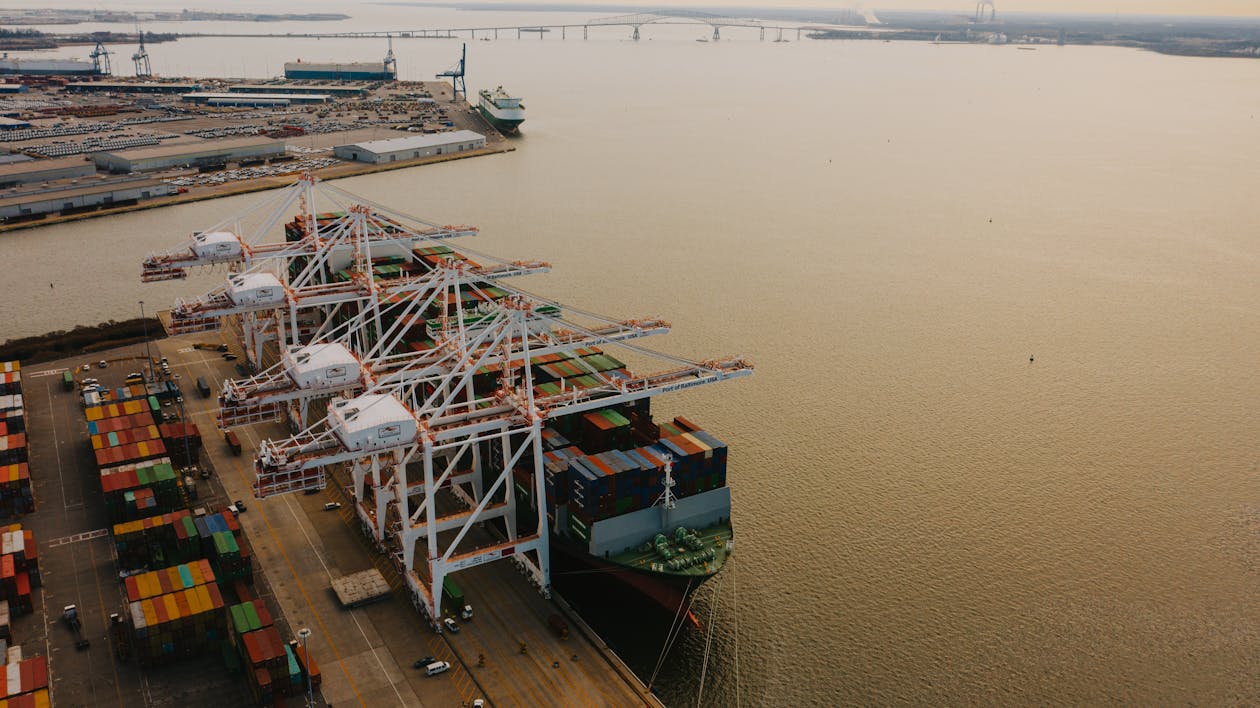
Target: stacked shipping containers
(26, 682)
(37, 699)
(274, 668)
(223, 542)
(157, 541)
(15, 479)
(181, 623)
(183, 442)
(19, 568)
(140, 489)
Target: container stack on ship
(472, 421)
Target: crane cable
(708, 641)
(675, 627)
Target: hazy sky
(1175, 7)
(1249, 8)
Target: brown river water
(1001, 446)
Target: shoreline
(83, 339)
(260, 185)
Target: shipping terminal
(412, 448)
(123, 144)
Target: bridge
(633, 22)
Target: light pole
(303, 633)
(147, 354)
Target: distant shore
(1194, 37)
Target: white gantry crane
(411, 436)
(368, 349)
(429, 368)
(282, 290)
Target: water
(889, 231)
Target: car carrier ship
(473, 421)
(504, 111)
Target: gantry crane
(442, 425)
(330, 365)
(141, 57)
(431, 375)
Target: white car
(450, 625)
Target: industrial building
(349, 71)
(329, 89)
(81, 198)
(253, 99)
(12, 88)
(217, 152)
(13, 123)
(48, 67)
(411, 147)
(129, 87)
(45, 170)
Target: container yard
(138, 583)
(86, 148)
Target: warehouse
(350, 71)
(86, 198)
(7, 123)
(411, 147)
(253, 99)
(12, 88)
(214, 152)
(330, 89)
(45, 170)
(130, 87)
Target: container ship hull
(666, 592)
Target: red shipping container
(40, 664)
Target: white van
(436, 668)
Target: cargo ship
(662, 547)
(502, 111)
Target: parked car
(450, 625)
(421, 663)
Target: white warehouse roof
(252, 96)
(414, 142)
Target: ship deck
(718, 537)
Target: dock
(506, 655)
(91, 149)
